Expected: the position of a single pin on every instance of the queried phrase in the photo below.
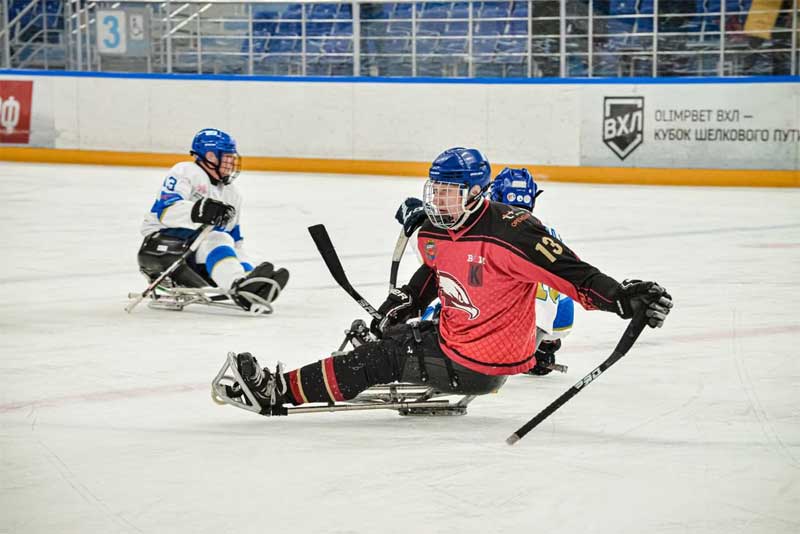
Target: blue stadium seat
(460, 10)
(345, 11)
(399, 26)
(520, 9)
(517, 27)
(484, 45)
(314, 29)
(427, 42)
(292, 11)
(342, 28)
(288, 28)
(433, 10)
(321, 11)
(493, 10)
(402, 11)
(452, 46)
(264, 22)
(400, 44)
(377, 11)
(314, 46)
(456, 28)
(509, 47)
(490, 27)
(432, 26)
(339, 46)
(631, 24)
(279, 45)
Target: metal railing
(533, 38)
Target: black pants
(405, 354)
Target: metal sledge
(406, 398)
(167, 296)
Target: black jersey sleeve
(555, 264)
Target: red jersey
(486, 273)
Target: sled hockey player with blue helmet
(484, 261)
(192, 233)
(555, 311)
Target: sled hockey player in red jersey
(483, 260)
(195, 196)
(554, 311)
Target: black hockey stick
(397, 255)
(323, 241)
(635, 328)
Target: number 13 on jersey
(549, 248)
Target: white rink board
(545, 124)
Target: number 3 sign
(112, 32)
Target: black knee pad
(158, 252)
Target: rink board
(654, 131)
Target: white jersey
(184, 185)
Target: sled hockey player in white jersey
(555, 312)
(193, 227)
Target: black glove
(545, 356)
(210, 211)
(636, 294)
(398, 307)
(411, 214)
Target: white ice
(106, 422)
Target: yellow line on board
(594, 175)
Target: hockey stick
(172, 268)
(632, 332)
(399, 250)
(323, 241)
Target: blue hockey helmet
(459, 165)
(223, 146)
(515, 187)
(448, 195)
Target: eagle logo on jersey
(453, 295)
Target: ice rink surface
(106, 423)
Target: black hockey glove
(411, 214)
(545, 357)
(398, 307)
(636, 294)
(210, 211)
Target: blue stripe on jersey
(247, 267)
(164, 201)
(217, 255)
(236, 233)
(565, 315)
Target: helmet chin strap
(475, 202)
(217, 168)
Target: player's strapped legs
(405, 354)
(218, 253)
